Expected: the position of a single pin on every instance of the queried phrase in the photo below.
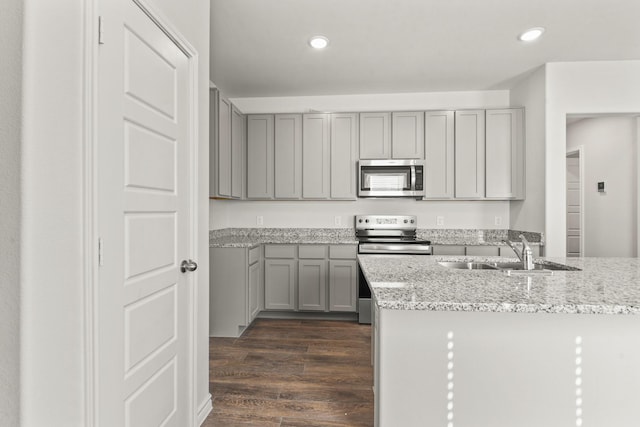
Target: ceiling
(259, 47)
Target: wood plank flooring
(293, 373)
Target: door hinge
(100, 30)
(100, 252)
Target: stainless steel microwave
(391, 178)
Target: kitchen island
(479, 348)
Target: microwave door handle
(413, 178)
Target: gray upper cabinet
(470, 154)
(407, 137)
(505, 154)
(238, 133)
(288, 156)
(344, 156)
(375, 135)
(260, 156)
(315, 157)
(439, 154)
(220, 146)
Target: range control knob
(360, 220)
(406, 221)
(412, 221)
(366, 220)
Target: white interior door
(145, 145)
(574, 210)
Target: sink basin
(546, 265)
(542, 267)
(467, 265)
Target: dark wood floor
(293, 373)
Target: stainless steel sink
(541, 267)
(468, 265)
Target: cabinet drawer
(280, 251)
(312, 251)
(483, 250)
(254, 255)
(342, 251)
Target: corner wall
(11, 28)
(528, 214)
(579, 88)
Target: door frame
(90, 261)
(579, 150)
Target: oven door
(390, 178)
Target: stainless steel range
(385, 234)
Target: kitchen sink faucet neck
(525, 255)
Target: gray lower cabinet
(483, 250)
(280, 284)
(480, 250)
(343, 288)
(448, 250)
(235, 289)
(311, 278)
(312, 285)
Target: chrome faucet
(526, 255)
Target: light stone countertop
(414, 282)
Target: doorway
(602, 161)
(575, 198)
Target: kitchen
(601, 81)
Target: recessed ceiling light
(531, 34)
(318, 42)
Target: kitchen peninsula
(481, 348)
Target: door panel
(145, 147)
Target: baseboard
(307, 315)
(205, 409)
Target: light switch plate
(259, 220)
(439, 220)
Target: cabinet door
(407, 138)
(222, 161)
(375, 135)
(312, 285)
(315, 157)
(344, 156)
(343, 285)
(227, 292)
(288, 156)
(469, 154)
(260, 157)
(237, 142)
(280, 284)
(504, 153)
(254, 291)
(439, 154)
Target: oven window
(385, 178)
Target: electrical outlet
(337, 220)
(439, 220)
(497, 220)
(259, 220)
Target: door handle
(188, 265)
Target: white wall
(528, 214)
(321, 214)
(374, 102)
(53, 281)
(583, 88)
(610, 155)
(10, 165)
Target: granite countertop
(250, 237)
(410, 282)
